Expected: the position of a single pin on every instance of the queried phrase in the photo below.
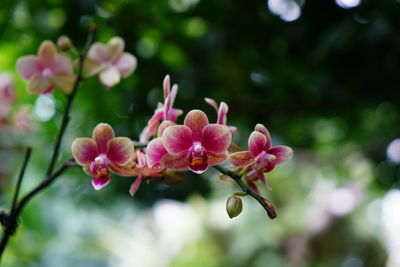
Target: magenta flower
(164, 111)
(101, 153)
(222, 111)
(262, 157)
(46, 71)
(110, 61)
(194, 145)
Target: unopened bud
(234, 206)
(64, 43)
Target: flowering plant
(165, 147)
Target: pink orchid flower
(194, 145)
(101, 153)
(222, 111)
(165, 111)
(46, 71)
(110, 61)
(262, 157)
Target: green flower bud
(234, 206)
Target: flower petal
(177, 139)
(126, 64)
(92, 67)
(164, 125)
(282, 153)
(28, 66)
(257, 142)
(135, 185)
(84, 150)
(97, 52)
(129, 169)
(62, 64)
(115, 47)
(155, 152)
(215, 159)
(166, 86)
(212, 103)
(99, 182)
(242, 158)
(64, 81)
(110, 77)
(120, 150)
(155, 121)
(196, 120)
(222, 111)
(216, 138)
(176, 162)
(38, 84)
(47, 53)
(101, 135)
(262, 129)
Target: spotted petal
(215, 159)
(84, 151)
(177, 139)
(119, 150)
(282, 153)
(242, 158)
(257, 142)
(216, 138)
(180, 162)
(196, 120)
(101, 135)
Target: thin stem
(238, 179)
(21, 177)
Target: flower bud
(234, 206)
(64, 43)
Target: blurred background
(321, 75)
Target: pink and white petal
(126, 64)
(99, 182)
(84, 151)
(282, 153)
(97, 52)
(212, 103)
(47, 54)
(196, 120)
(262, 129)
(215, 159)
(164, 125)
(264, 180)
(174, 92)
(145, 135)
(166, 86)
(62, 64)
(222, 111)
(216, 138)
(64, 81)
(102, 133)
(38, 84)
(92, 67)
(176, 162)
(155, 152)
(115, 47)
(154, 121)
(135, 185)
(110, 77)
(173, 114)
(28, 66)
(177, 139)
(257, 143)
(120, 150)
(242, 158)
(129, 169)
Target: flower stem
(10, 221)
(238, 179)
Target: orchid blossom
(46, 71)
(262, 157)
(101, 153)
(110, 61)
(164, 111)
(194, 145)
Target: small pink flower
(164, 111)
(46, 71)
(222, 112)
(110, 61)
(101, 153)
(262, 157)
(194, 145)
